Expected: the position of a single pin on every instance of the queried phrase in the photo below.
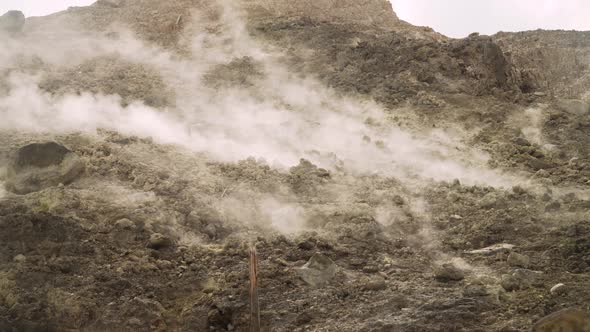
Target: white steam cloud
(2, 178)
(280, 117)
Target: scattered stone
(518, 190)
(357, 262)
(534, 277)
(569, 197)
(125, 224)
(511, 283)
(306, 245)
(494, 249)
(539, 94)
(539, 164)
(20, 258)
(546, 197)
(370, 269)
(489, 201)
(520, 279)
(573, 106)
(566, 320)
(374, 284)
(159, 241)
(553, 207)
(521, 141)
(455, 218)
(518, 260)
(319, 270)
(210, 286)
(559, 289)
(475, 290)
(42, 165)
(542, 174)
(12, 22)
(164, 264)
(210, 230)
(483, 291)
(448, 272)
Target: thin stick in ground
(254, 308)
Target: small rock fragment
(518, 190)
(539, 164)
(318, 271)
(475, 290)
(522, 141)
(370, 269)
(210, 230)
(20, 258)
(553, 207)
(531, 277)
(511, 283)
(518, 260)
(490, 201)
(492, 250)
(573, 106)
(306, 245)
(448, 272)
(159, 241)
(455, 218)
(374, 284)
(559, 289)
(125, 223)
(546, 197)
(520, 279)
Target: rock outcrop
(551, 61)
(366, 12)
(42, 165)
(12, 22)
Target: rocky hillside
(368, 12)
(390, 178)
(550, 61)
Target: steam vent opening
(274, 165)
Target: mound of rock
(12, 22)
(42, 165)
(573, 106)
(570, 319)
(319, 270)
(367, 12)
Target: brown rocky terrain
(390, 178)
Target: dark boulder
(12, 22)
(42, 165)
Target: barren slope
(302, 128)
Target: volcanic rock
(39, 166)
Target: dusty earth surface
(432, 184)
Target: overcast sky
(455, 18)
(40, 7)
(458, 18)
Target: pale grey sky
(458, 18)
(455, 18)
(40, 7)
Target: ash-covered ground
(391, 178)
